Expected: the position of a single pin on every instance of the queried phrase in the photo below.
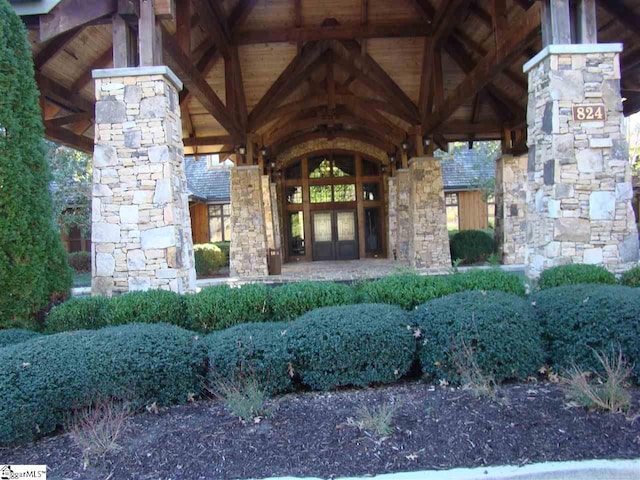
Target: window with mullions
(336, 166)
(219, 223)
(453, 216)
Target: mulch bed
(310, 435)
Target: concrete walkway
(585, 470)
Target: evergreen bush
(209, 259)
(152, 306)
(251, 352)
(491, 279)
(16, 335)
(631, 278)
(225, 247)
(405, 290)
(471, 246)
(83, 313)
(574, 275)
(578, 319)
(499, 328)
(220, 307)
(46, 378)
(33, 264)
(293, 299)
(353, 345)
(80, 262)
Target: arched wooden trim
(350, 145)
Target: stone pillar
(141, 229)
(393, 218)
(403, 215)
(275, 215)
(511, 205)
(579, 175)
(429, 244)
(248, 252)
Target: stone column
(248, 252)
(403, 215)
(579, 175)
(429, 245)
(392, 215)
(511, 205)
(141, 229)
(275, 215)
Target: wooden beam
(499, 18)
(68, 119)
(241, 101)
(623, 14)
(198, 86)
(330, 32)
(215, 25)
(183, 26)
(70, 14)
(103, 61)
(210, 141)
(54, 46)
(560, 14)
(63, 96)
(587, 23)
(67, 137)
(447, 17)
(149, 33)
(353, 135)
(524, 31)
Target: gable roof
(467, 170)
(207, 184)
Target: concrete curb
(583, 470)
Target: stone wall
(511, 208)
(248, 253)
(578, 198)
(404, 229)
(392, 196)
(141, 230)
(429, 245)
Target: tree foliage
(33, 264)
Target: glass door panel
(346, 228)
(322, 227)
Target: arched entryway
(334, 207)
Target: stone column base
(511, 205)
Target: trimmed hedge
(16, 335)
(410, 290)
(42, 380)
(84, 313)
(355, 345)
(578, 318)
(574, 275)
(253, 350)
(219, 307)
(471, 246)
(631, 278)
(293, 299)
(225, 247)
(80, 261)
(498, 327)
(153, 306)
(209, 259)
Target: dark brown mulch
(310, 435)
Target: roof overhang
(33, 7)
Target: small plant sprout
(604, 392)
(471, 376)
(244, 398)
(375, 420)
(96, 429)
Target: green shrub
(498, 327)
(46, 378)
(472, 246)
(406, 290)
(251, 352)
(16, 335)
(153, 306)
(209, 259)
(492, 279)
(578, 319)
(225, 247)
(84, 313)
(293, 299)
(631, 278)
(352, 345)
(80, 261)
(219, 307)
(575, 275)
(33, 264)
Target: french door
(335, 235)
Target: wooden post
(306, 210)
(121, 42)
(419, 142)
(149, 38)
(360, 208)
(586, 23)
(559, 14)
(183, 26)
(405, 160)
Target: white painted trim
(37, 7)
(139, 72)
(246, 167)
(570, 49)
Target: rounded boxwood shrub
(80, 261)
(225, 247)
(46, 378)
(578, 319)
(492, 279)
(574, 275)
(631, 278)
(406, 290)
(292, 300)
(209, 259)
(354, 345)
(256, 351)
(219, 307)
(84, 313)
(498, 328)
(16, 335)
(153, 306)
(471, 246)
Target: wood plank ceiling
(274, 73)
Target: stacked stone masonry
(404, 228)
(392, 196)
(510, 200)
(248, 253)
(579, 175)
(141, 230)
